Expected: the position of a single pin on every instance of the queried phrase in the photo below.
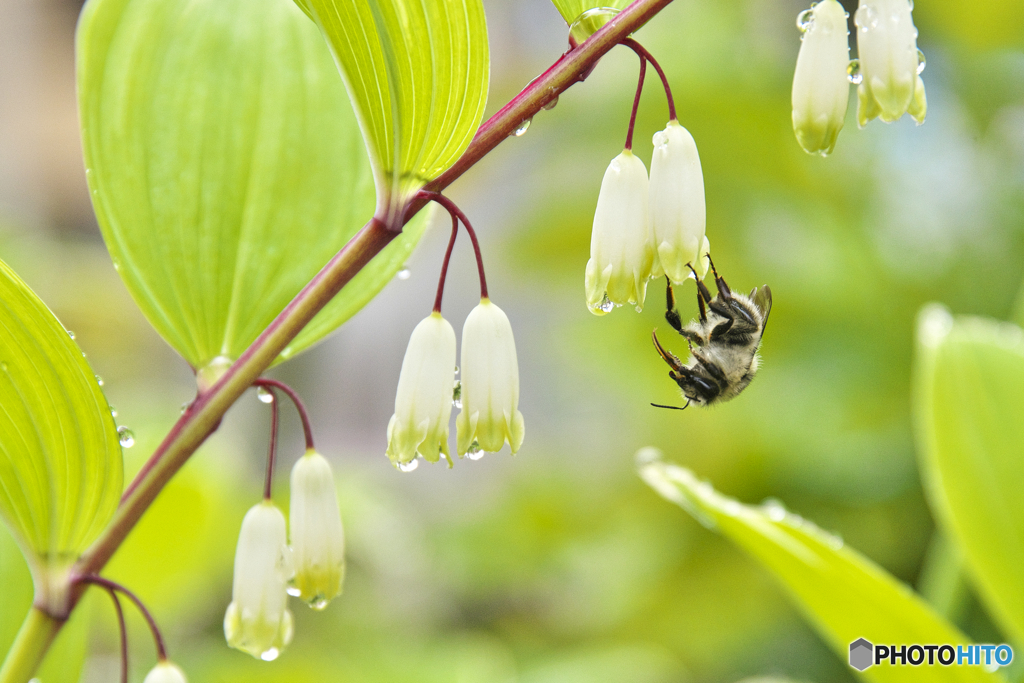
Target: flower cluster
(267, 569)
(886, 73)
(488, 393)
(647, 228)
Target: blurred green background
(559, 565)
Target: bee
(723, 343)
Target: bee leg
(710, 366)
(672, 361)
(671, 314)
(721, 329)
(723, 288)
(702, 294)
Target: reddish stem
(456, 212)
(161, 651)
(272, 450)
(644, 54)
(444, 264)
(307, 428)
(124, 634)
(636, 102)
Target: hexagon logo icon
(861, 654)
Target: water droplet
(866, 17)
(921, 61)
(606, 306)
(586, 24)
(116, 262)
(270, 655)
(125, 437)
(71, 334)
(404, 273)
(551, 104)
(523, 127)
(318, 602)
(113, 411)
(264, 395)
(185, 407)
(293, 590)
(774, 508)
(99, 380)
(853, 73)
(457, 395)
(456, 370)
(805, 20)
(408, 466)
(474, 452)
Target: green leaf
(226, 166)
(572, 11)
(844, 595)
(417, 72)
(60, 460)
(969, 414)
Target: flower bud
(490, 384)
(165, 672)
(621, 245)
(889, 62)
(423, 404)
(257, 620)
(318, 542)
(820, 86)
(677, 204)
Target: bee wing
(763, 300)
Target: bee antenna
(658, 405)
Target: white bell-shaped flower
(621, 245)
(821, 90)
(258, 620)
(677, 210)
(165, 672)
(423, 404)
(490, 384)
(890, 63)
(317, 539)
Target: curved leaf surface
(60, 460)
(226, 166)
(417, 72)
(844, 595)
(969, 413)
(571, 10)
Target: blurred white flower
(820, 86)
(423, 403)
(621, 245)
(890, 63)
(165, 672)
(317, 539)
(490, 384)
(257, 620)
(677, 210)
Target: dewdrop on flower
(677, 210)
(889, 62)
(621, 245)
(165, 672)
(317, 539)
(258, 620)
(490, 384)
(423, 403)
(821, 90)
